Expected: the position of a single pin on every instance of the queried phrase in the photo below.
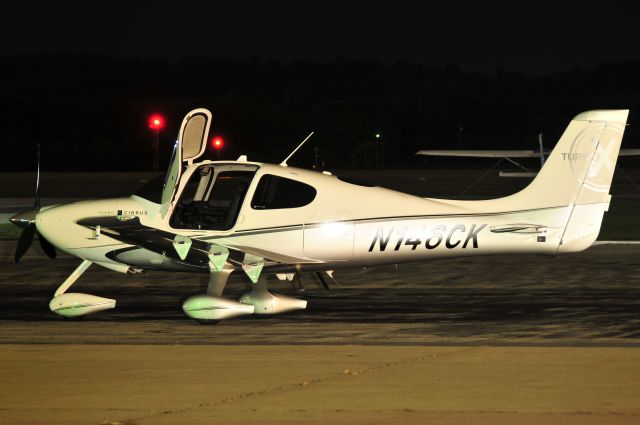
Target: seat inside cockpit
(212, 197)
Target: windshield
(170, 182)
(212, 198)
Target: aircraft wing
(132, 232)
(502, 153)
(482, 153)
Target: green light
(378, 135)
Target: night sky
(534, 37)
(81, 78)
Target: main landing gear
(212, 307)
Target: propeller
(27, 221)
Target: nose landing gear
(74, 304)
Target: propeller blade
(47, 247)
(25, 241)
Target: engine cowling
(74, 304)
(211, 307)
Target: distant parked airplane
(508, 155)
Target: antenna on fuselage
(541, 149)
(284, 163)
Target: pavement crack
(346, 373)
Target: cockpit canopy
(214, 194)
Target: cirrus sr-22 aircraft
(262, 219)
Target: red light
(156, 122)
(217, 142)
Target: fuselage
(333, 224)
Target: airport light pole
(217, 143)
(156, 123)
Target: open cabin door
(191, 144)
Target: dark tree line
(89, 112)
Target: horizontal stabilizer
(629, 152)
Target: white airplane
(218, 217)
(507, 155)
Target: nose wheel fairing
(75, 304)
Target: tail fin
(580, 167)
(578, 175)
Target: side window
(275, 192)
